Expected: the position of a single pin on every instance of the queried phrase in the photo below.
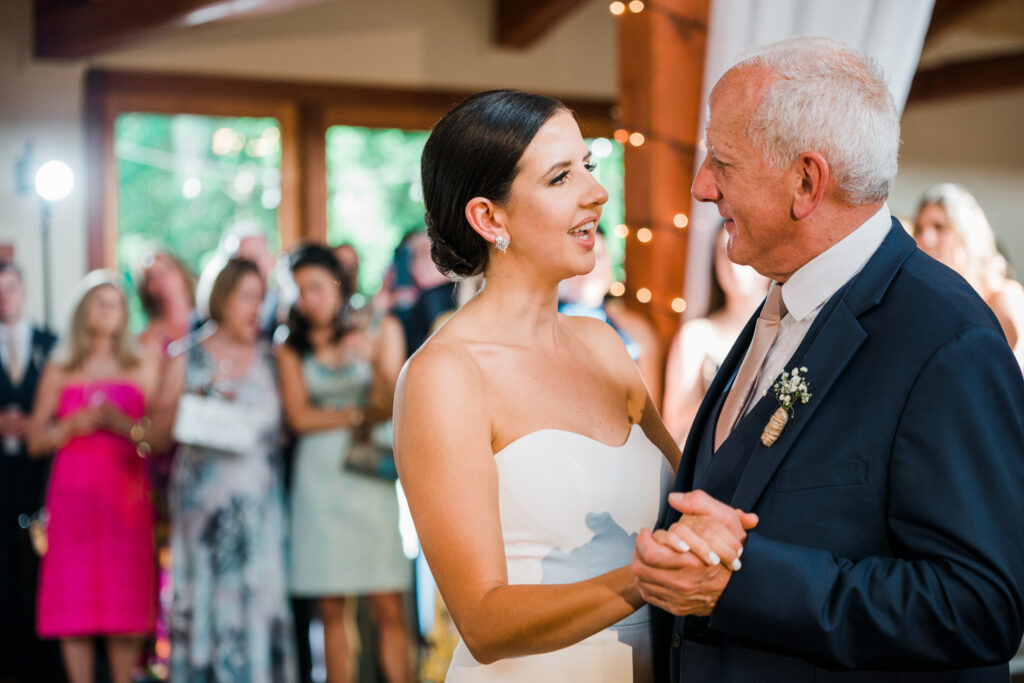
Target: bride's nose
(595, 194)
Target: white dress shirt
(22, 332)
(807, 290)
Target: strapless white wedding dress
(571, 508)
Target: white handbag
(215, 423)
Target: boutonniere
(790, 388)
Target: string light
(680, 220)
(644, 235)
(643, 295)
(621, 136)
(636, 139)
(679, 304)
(617, 289)
(636, 7)
(617, 8)
(621, 231)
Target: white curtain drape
(890, 31)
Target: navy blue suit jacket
(891, 534)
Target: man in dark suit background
(23, 352)
(889, 543)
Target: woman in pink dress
(97, 578)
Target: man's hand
(700, 503)
(686, 574)
(13, 423)
(677, 582)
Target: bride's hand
(707, 538)
(723, 541)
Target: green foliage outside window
(375, 197)
(184, 180)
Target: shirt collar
(821, 277)
(20, 329)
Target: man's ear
(812, 175)
(483, 216)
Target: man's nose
(704, 188)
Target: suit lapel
(707, 414)
(706, 417)
(830, 345)
(825, 357)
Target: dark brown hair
(150, 304)
(226, 282)
(474, 151)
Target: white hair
(985, 266)
(831, 99)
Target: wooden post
(661, 66)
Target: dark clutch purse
(372, 454)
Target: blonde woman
(98, 576)
(951, 228)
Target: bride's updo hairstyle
(474, 151)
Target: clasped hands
(106, 416)
(685, 568)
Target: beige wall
(976, 142)
(439, 44)
(41, 104)
(404, 43)
(442, 43)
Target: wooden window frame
(304, 112)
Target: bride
(528, 448)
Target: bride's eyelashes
(561, 177)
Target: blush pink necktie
(765, 331)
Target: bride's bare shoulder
(600, 337)
(442, 363)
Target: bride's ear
(482, 216)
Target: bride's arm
(448, 473)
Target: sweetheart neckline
(629, 437)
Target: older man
(890, 542)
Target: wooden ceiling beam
(521, 22)
(947, 13)
(79, 29)
(975, 77)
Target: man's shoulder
(43, 338)
(933, 300)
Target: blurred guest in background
(229, 616)
(435, 293)
(348, 259)
(337, 376)
(588, 295)
(24, 349)
(167, 291)
(701, 344)
(97, 576)
(952, 228)
(245, 239)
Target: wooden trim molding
(304, 111)
(81, 29)
(975, 77)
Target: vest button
(677, 640)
